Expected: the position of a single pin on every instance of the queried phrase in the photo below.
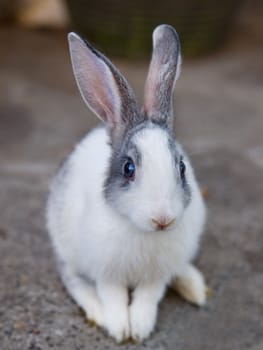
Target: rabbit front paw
(143, 318)
(115, 310)
(117, 324)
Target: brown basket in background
(124, 28)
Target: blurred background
(218, 119)
(124, 30)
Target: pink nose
(162, 223)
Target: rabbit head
(149, 179)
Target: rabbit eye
(182, 169)
(129, 169)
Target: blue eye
(129, 169)
(182, 169)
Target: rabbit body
(113, 231)
(99, 242)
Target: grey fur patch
(177, 155)
(187, 190)
(115, 179)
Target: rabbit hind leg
(84, 293)
(191, 286)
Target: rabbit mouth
(162, 223)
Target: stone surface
(219, 115)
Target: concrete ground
(219, 119)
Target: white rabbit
(125, 212)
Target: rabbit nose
(162, 223)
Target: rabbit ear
(163, 72)
(102, 87)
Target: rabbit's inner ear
(95, 81)
(163, 72)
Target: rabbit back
(76, 190)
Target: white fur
(117, 248)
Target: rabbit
(125, 213)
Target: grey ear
(163, 72)
(102, 87)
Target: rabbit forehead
(150, 134)
(157, 143)
(160, 154)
